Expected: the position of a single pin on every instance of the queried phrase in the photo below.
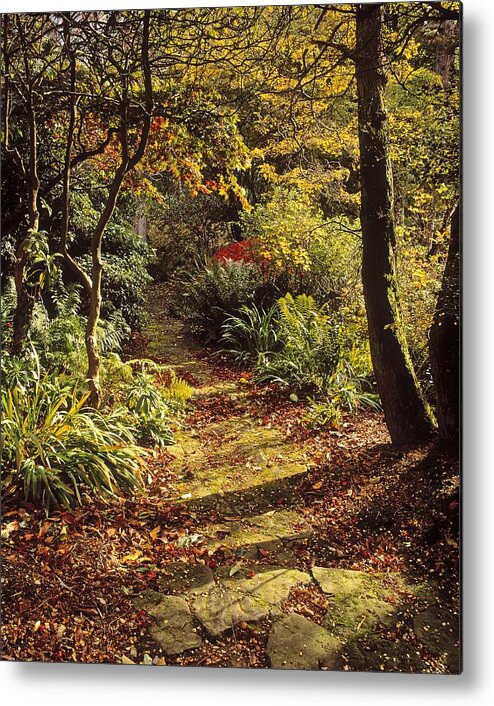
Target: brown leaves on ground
(69, 577)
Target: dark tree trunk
(406, 412)
(95, 298)
(25, 294)
(127, 164)
(76, 271)
(446, 40)
(444, 341)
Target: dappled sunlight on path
(242, 481)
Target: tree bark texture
(407, 415)
(26, 295)
(127, 163)
(444, 341)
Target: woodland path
(266, 574)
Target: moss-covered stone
(259, 530)
(222, 608)
(383, 656)
(356, 603)
(243, 598)
(439, 630)
(180, 577)
(173, 627)
(297, 643)
(238, 455)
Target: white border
(49, 685)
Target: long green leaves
(310, 346)
(251, 334)
(54, 447)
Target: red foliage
(236, 252)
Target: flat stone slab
(222, 608)
(243, 598)
(383, 656)
(241, 456)
(271, 526)
(439, 631)
(180, 577)
(297, 643)
(356, 604)
(173, 625)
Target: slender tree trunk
(25, 294)
(407, 416)
(444, 341)
(446, 40)
(95, 297)
(127, 163)
(73, 266)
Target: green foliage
(347, 391)
(20, 371)
(187, 229)
(115, 376)
(126, 258)
(40, 267)
(310, 350)
(176, 392)
(60, 341)
(54, 447)
(251, 334)
(7, 307)
(149, 410)
(309, 252)
(215, 292)
(153, 407)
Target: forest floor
(259, 542)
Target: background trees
(326, 137)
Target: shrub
(347, 391)
(310, 346)
(7, 308)
(60, 340)
(126, 258)
(153, 407)
(214, 293)
(236, 252)
(53, 446)
(251, 334)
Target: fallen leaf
(155, 532)
(126, 660)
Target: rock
(260, 530)
(180, 577)
(438, 630)
(383, 656)
(297, 643)
(356, 604)
(271, 586)
(222, 608)
(243, 599)
(173, 626)
(341, 582)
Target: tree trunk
(72, 265)
(407, 415)
(445, 41)
(444, 341)
(127, 163)
(93, 357)
(25, 295)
